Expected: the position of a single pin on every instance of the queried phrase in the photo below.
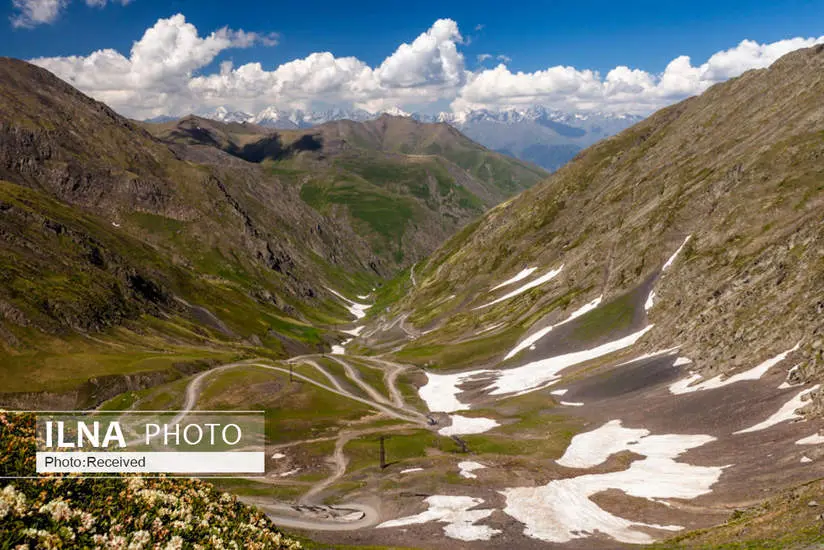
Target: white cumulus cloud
(162, 74)
(623, 89)
(31, 13)
(158, 70)
(430, 67)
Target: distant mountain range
(546, 137)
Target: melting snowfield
(467, 468)
(546, 277)
(456, 513)
(562, 510)
(540, 373)
(463, 425)
(356, 309)
(592, 448)
(530, 340)
(689, 384)
(441, 390)
(354, 331)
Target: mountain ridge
(535, 134)
(433, 177)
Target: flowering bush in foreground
(121, 513)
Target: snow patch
(464, 425)
(354, 331)
(410, 470)
(681, 361)
(289, 473)
(548, 276)
(650, 301)
(456, 512)
(672, 258)
(545, 371)
(356, 309)
(785, 413)
(529, 341)
(786, 384)
(467, 467)
(593, 448)
(649, 356)
(571, 404)
(688, 385)
(520, 276)
(278, 456)
(338, 350)
(814, 439)
(806, 459)
(441, 390)
(562, 510)
(559, 392)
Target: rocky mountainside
(734, 175)
(402, 185)
(115, 244)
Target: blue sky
(534, 36)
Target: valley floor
(569, 443)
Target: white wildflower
(176, 543)
(139, 540)
(58, 509)
(11, 502)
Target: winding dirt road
(309, 513)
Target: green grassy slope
(403, 186)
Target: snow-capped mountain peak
(224, 114)
(396, 111)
